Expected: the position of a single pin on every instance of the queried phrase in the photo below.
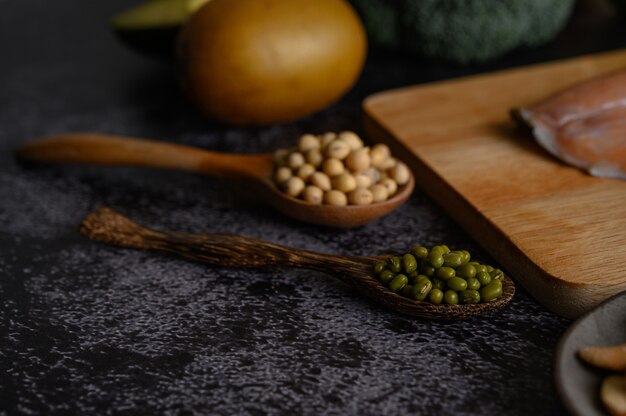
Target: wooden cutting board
(556, 230)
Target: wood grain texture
(225, 250)
(108, 149)
(560, 232)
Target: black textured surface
(87, 328)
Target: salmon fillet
(584, 126)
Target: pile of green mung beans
(440, 275)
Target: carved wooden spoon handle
(109, 226)
(106, 149)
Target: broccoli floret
(382, 21)
(545, 22)
(463, 31)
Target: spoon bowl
(225, 250)
(256, 169)
(348, 216)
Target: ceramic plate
(578, 384)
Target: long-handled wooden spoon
(111, 227)
(257, 169)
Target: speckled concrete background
(93, 329)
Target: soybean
(364, 175)
(379, 192)
(335, 197)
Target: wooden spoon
(257, 169)
(111, 227)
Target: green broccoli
(463, 31)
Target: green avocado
(462, 31)
(152, 27)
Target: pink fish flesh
(585, 125)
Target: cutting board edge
(576, 60)
(572, 300)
